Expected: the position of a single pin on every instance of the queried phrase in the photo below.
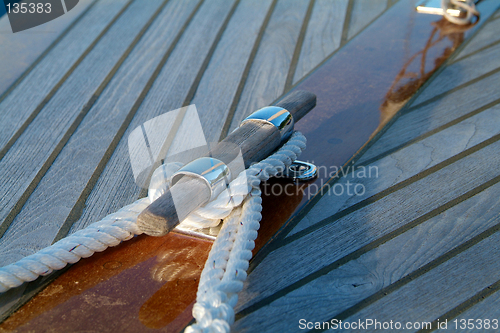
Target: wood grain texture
(363, 12)
(45, 135)
(55, 197)
(489, 308)
(21, 50)
(116, 187)
(443, 288)
(461, 72)
(220, 81)
(347, 285)
(403, 164)
(299, 258)
(17, 107)
(323, 35)
(487, 35)
(430, 117)
(266, 79)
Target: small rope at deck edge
(225, 270)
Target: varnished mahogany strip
(145, 283)
(345, 248)
(86, 133)
(114, 282)
(396, 138)
(404, 167)
(344, 119)
(258, 277)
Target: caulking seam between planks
(296, 219)
(298, 47)
(194, 86)
(456, 311)
(77, 209)
(431, 132)
(44, 53)
(372, 245)
(179, 71)
(43, 170)
(406, 108)
(347, 22)
(203, 68)
(452, 202)
(334, 52)
(51, 94)
(444, 204)
(246, 71)
(36, 286)
(448, 92)
(388, 191)
(424, 269)
(476, 52)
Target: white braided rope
(225, 270)
(110, 231)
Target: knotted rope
(225, 270)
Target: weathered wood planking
(267, 76)
(441, 289)
(319, 248)
(411, 126)
(487, 36)
(405, 163)
(219, 84)
(53, 202)
(22, 50)
(460, 72)
(323, 35)
(50, 130)
(116, 187)
(363, 12)
(344, 287)
(488, 308)
(25, 101)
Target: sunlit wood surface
(421, 242)
(66, 114)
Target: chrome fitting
(301, 171)
(212, 171)
(274, 115)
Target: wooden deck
(421, 243)
(66, 111)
